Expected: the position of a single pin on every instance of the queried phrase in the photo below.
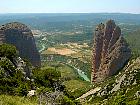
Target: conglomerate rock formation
(110, 51)
(20, 35)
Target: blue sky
(69, 6)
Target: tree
(7, 50)
(12, 80)
(46, 77)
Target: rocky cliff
(20, 36)
(110, 51)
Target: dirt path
(92, 91)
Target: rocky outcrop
(18, 64)
(110, 51)
(20, 36)
(126, 79)
(126, 83)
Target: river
(80, 72)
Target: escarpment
(110, 51)
(20, 36)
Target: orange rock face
(110, 51)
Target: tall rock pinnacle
(110, 51)
(20, 36)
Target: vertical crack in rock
(110, 51)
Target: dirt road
(92, 91)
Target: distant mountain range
(58, 17)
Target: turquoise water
(81, 73)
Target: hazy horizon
(73, 13)
(73, 6)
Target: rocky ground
(124, 85)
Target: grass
(71, 80)
(16, 100)
(67, 71)
(77, 87)
(73, 83)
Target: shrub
(7, 50)
(12, 80)
(46, 77)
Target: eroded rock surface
(110, 51)
(20, 36)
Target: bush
(67, 101)
(14, 84)
(12, 80)
(46, 77)
(7, 50)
